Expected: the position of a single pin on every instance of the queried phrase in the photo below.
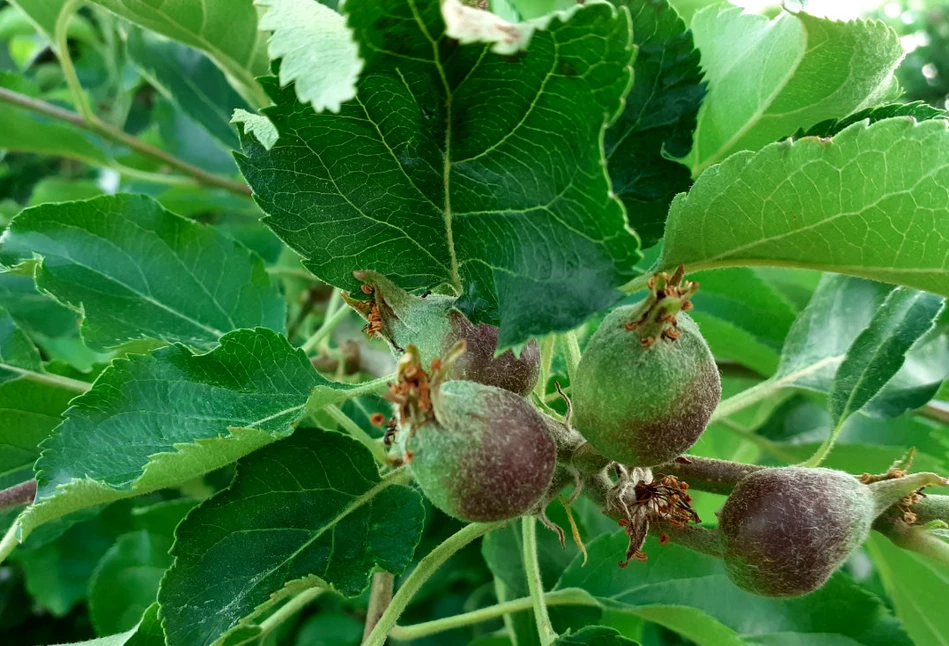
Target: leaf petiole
(566, 597)
(534, 583)
(425, 568)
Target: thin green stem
(425, 568)
(79, 97)
(826, 446)
(763, 443)
(354, 429)
(334, 305)
(290, 608)
(114, 134)
(567, 597)
(329, 323)
(9, 541)
(49, 379)
(534, 583)
(571, 348)
(744, 399)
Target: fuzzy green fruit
(786, 530)
(486, 456)
(643, 405)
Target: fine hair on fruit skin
(786, 530)
(433, 325)
(486, 456)
(647, 382)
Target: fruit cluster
(642, 394)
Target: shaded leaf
(917, 110)
(542, 249)
(190, 80)
(58, 571)
(147, 633)
(308, 511)
(659, 118)
(316, 51)
(137, 271)
(767, 78)
(17, 352)
(157, 420)
(125, 582)
(821, 204)
(25, 131)
(689, 593)
(879, 352)
(226, 30)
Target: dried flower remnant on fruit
(411, 392)
(656, 315)
(643, 503)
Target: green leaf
(594, 636)
(157, 420)
(840, 309)
(506, 201)
(658, 119)
(29, 410)
(190, 80)
(137, 271)
(879, 352)
(44, 14)
(58, 571)
(316, 51)
(226, 30)
(689, 593)
(308, 511)
(917, 110)
(147, 633)
(125, 582)
(742, 317)
(58, 189)
(17, 352)
(821, 204)
(26, 131)
(769, 78)
(36, 313)
(917, 586)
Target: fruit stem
(329, 323)
(917, 539)
(565, 597)
(535, 585)
(707, 474)
(422, 572)
(889, 492)
(698, 539)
